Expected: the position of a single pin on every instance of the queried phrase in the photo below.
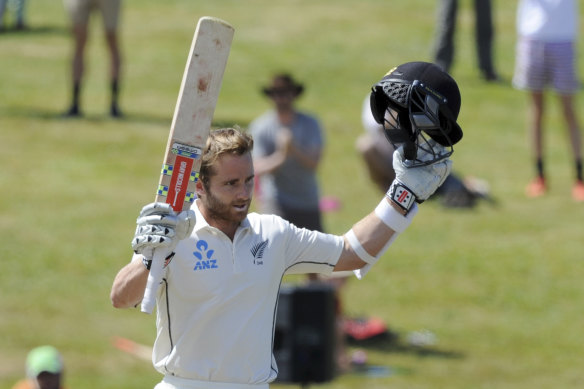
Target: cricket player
(217, 302)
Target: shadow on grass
(40, 114)
(35, 30)
(130, 117)
(392, 342)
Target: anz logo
(204, 257)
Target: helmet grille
(397, 92)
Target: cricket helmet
(416, 101)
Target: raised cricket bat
(189, 130)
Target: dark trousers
(446, 27)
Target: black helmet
(416, 98)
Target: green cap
(44, 358)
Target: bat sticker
(167, 171)
(186, 151)
(163, 191)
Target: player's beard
(225, 212)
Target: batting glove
(158, 225)
(416, 184)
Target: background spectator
(484, 34)
(44, 369)
(18, 7)
(545, 57)
(80, 12)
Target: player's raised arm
(418, 104)
(371, 236)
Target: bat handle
(154, 280)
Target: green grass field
(499, 286)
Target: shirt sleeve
(312, 251)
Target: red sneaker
(364, 328)
(578, 191)
(536, 188)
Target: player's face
(228, 195)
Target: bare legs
(80, 35)
(538, 186)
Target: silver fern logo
(258, 252)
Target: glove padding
(158, 225)
(417, 183)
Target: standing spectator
(287, 149)
(288, 145)
(44, 369)
(545, 56)
(80, 12)
(18, 6)
(484, 34)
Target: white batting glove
(158, 225)
(416, 184)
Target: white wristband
(392, 218)
(358, 249)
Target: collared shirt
(217, 305)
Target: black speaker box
(304, 341)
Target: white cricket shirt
(217, 306)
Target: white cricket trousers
(171, 382)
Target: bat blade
(190, 127)
(194, 110)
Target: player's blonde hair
(223, 141)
